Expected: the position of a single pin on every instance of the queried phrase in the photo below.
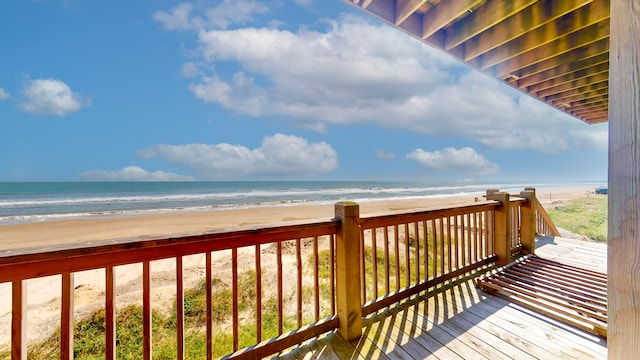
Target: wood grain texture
(624, 181)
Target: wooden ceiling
(556, 51)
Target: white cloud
(382, 154)
(465, 160)
(304, 3)
(278, 156)
(178, 18)
(356, 71)
(133, 173)
(3, 94)
(594, 138)
(227, 13)
(51, 97)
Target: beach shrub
(585, 216)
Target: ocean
(25, 202)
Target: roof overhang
(555, 51)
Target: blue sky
(260, 90)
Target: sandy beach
(44, 299)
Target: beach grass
(585, 216)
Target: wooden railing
(255, 246)
(357, 265)
(544, 225)
(402, 255)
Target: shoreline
(90, 230)
(44, 293)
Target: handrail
(544, 224)
(30, 263)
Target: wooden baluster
(478, 235)
(316, 280)
(442, 246)
(469, 243)
(299, 282)
(146, 310)
(179, 309)
(19, 320)
(110, 313)
(456, 241)
(363, 272)
(418, 264)
(258, 256)
(485, 234)
(209, 304)
(332, 272)
(280, 295)
(386, 261)
(449, 244)
(407, 254)
(66, 317)
(396, 243)
(434, 254)
(235, 295)
(374, 255)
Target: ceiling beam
(567, 82)
(599, 64)
(599, 109)
(594, 118)
(384, 10)
(555, 100)
(444, 13)
(600, 60)
(555, 49)
(552, 31)
(484, 19)
(582, 92)
(406, 8)
(590, 107)
(589, 101)
(529, 19)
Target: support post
(348, 271)
(528, 221)
(623, 241)
(502, 226)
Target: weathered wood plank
(624, 187)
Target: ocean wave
(101, 200)
(286, 193)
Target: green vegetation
(584, 216)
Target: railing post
(348, 271)
(502, 226)
(528, 221)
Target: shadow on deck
(459, 321)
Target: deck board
(459, 321)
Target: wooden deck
(459, 321)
